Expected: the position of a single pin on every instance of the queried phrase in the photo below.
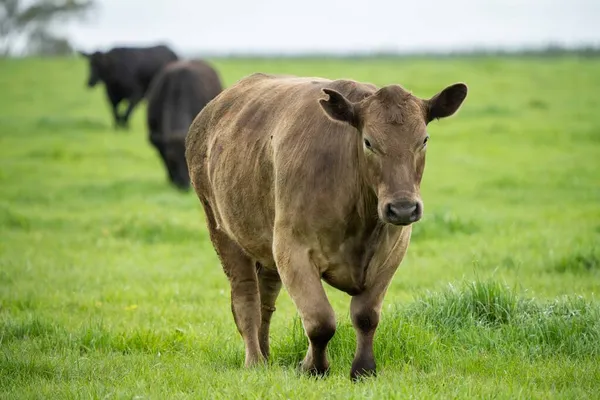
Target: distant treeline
(59, 49)
(548, 51)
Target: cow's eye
(368, 144)
(425, 141)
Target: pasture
(110, 288)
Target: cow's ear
(446, 102)
(83, 53)
(338, 108)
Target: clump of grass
(402, 341)
(538, 104)
(581, 262)
(492, 317)
(476, 303)
(13, 220)
(477, 317)
(30, 327)
(290, 348)
(32, 367)
(570, 326)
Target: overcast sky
(262, 26)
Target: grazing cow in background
(307, 179)
(176, 96)
(127, 73)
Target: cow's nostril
(418, 209)
(391, 212)
(410, 209)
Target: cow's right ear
(339, 108)
(83, 53)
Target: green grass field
(110, 288)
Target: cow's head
(171, 148)
(392, 125)
(175, 162)
(99, 65)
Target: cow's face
(98, 64)
(176, 164)
(172, 152)
(392, 125)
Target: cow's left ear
(446, 102)
(339, 108)
(83, 53)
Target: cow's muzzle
(402, 212)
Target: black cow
(127, 73)
(176, 96)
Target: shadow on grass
(13, 370)
(56, 123)
(495, 111)
(61, 156)
(15, 220)
(160, 230)
(579, 263)
(119, 189)
(134, 228)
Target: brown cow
(299, 187)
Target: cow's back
(262, 138)
(177, 95)
(139, 65)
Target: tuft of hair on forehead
(393, 104)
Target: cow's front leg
(114, 99)
(116, 115)
(365, 310)
(302, 280)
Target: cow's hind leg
(269, 284)
(133, 102)
(245, 299)
(303, 282)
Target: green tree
(30, 24)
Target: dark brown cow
(307, 179)
(175, 97)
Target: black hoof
(363, 369)
(314, 371)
